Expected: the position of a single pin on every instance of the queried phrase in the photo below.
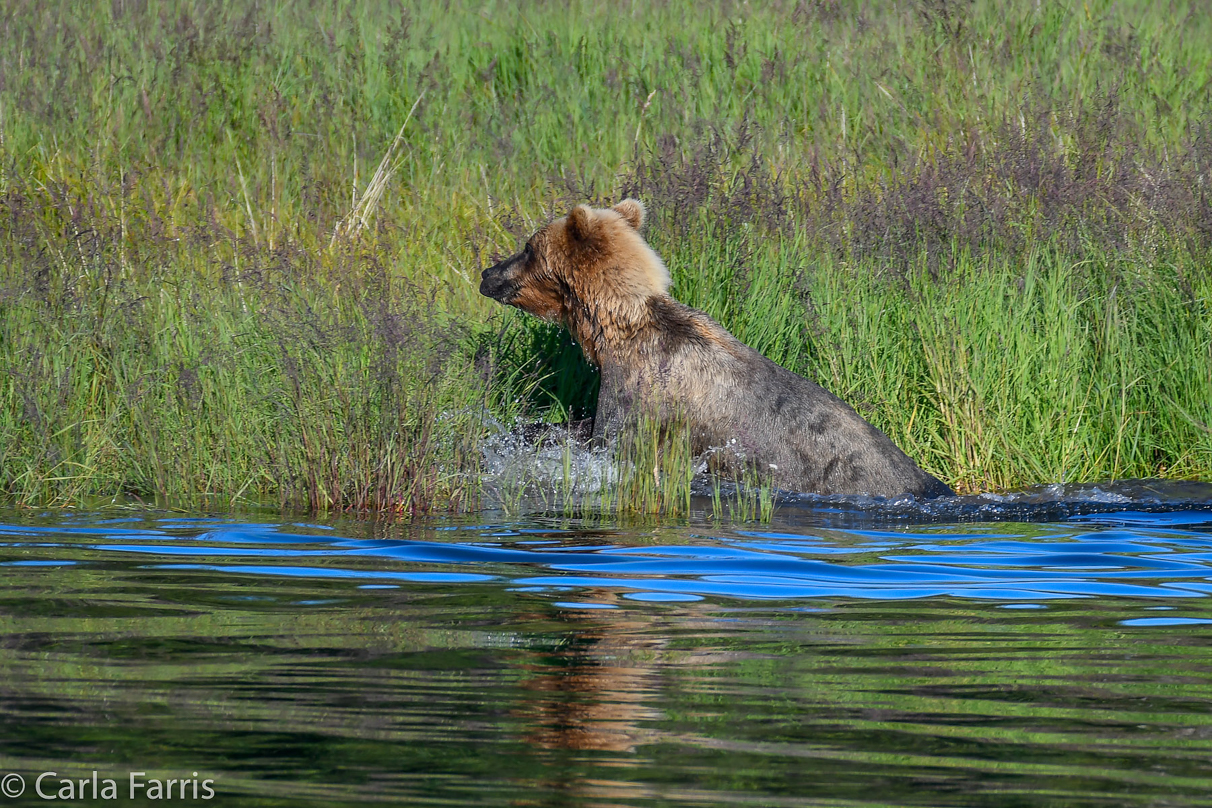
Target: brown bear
(593, 272)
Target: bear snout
(496, 281)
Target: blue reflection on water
(1165, 621)
(1129, 553)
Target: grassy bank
(987, 226)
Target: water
(1047, 648)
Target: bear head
(586, 269)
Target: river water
(1047, 648)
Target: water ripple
(882, 655)
(1133, 553)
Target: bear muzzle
(498, 281)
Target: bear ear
(581, 224)
(632, 211)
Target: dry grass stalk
(364, 206)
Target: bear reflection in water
(593, 272)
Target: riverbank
(985, 227)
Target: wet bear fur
(593, 272)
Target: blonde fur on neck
(637, 273)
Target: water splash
(537, 467)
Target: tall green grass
(286, 395)
(1055, 369)
(985, 225)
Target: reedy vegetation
(986, 225)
